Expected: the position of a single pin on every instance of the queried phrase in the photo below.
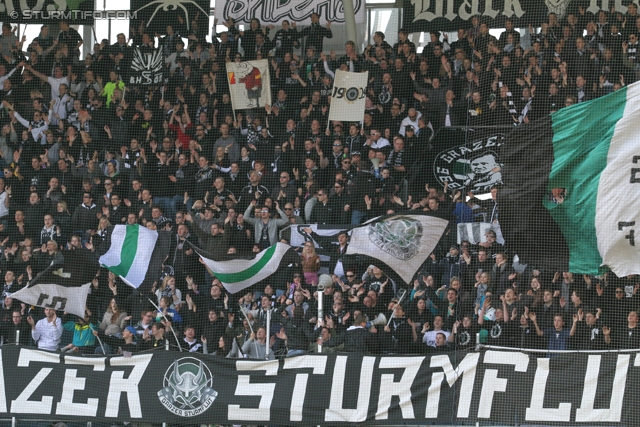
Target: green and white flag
(239, 274)
(129, 254)
(583, 166)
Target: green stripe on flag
(246, 274)
(581, 140)
(128, 252)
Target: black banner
(157, 15)
(465, 158)
(509, 387)
(46, 11)
(147, 69)
(450, 15)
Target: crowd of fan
(81, 151)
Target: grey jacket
(272, 225)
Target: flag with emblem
(401, 242)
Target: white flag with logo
(249, 84)
(401, 242)
(348, 96)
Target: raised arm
(38, 74)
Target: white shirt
(47, 334)
(408, 122)
(382, 142)
(55, 85)
(4, 211)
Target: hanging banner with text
(503, 387)
(51, 11)
(450, 15)
(298, 11)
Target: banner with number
(348, 96)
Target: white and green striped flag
(130, 252)
(588, 179)
(239, 274)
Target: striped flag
(239, 274)
(571, 183)
(135, 254)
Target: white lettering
(318, 364)
(492, 383)
(593, 6)
(512, 7)
(245, 388)
(67, 406)
(336, 412)
(22, 404)
(119, 385)
(586, 413)
(421, 8)
(537, 411)
(402, 388)
(466, 10)
(451, 15)
(466, 369)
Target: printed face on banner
(475, 166)
(249, 84)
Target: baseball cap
(409, 128)
(131, 329)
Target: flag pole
(268, 341)
(99, 340)
(255, 338)
(165, 318)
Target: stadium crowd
(81, 150)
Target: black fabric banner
(157, 15)
(465, 158)
(147, 68)
(45, 11)
(509, 387)
(450, 15)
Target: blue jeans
(293, 353)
